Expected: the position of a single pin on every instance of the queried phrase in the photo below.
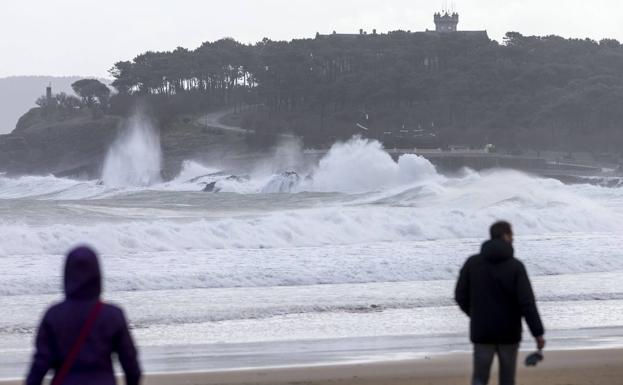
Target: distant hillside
(18, 95)
(404, 89)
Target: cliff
(41, 146)
(76, 146)
(18, 94)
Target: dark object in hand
(534, 358)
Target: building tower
(446, 21)
(48, 94)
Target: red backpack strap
(75, 349)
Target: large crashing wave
(355, 166)
(404, 200)
(359, 166)
(452, 208)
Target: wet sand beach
(326, 273)
(562, 367)
(573, 367)
(580, 367)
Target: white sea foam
(404, 201)
(396, 201)
(191, 172)
(43, 187)
(399, 261)
(462, 207)
(353, 167)
(362, 235)
(360, 165)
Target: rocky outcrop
(282, 183)
(69, 147)
(76, 146)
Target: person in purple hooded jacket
(64, 322)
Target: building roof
(343, 36)
(444, 16)
(361, 33)
(482, 33)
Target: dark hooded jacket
(495, 292)
(63, 322)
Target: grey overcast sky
(85, 37)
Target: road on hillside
(214, 119)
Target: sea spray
(355, 166)
(360, 165)
(135, 157)
(287, 156)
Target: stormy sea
(349, 257)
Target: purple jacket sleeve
(42, 360)
(127, 353)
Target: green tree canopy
(91, 91)
(536, 91)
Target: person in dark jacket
(495, 292)
(63, 322)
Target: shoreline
(235, 356)
(568, 367)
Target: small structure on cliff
(445, 22)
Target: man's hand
(540, 342)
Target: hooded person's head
(501, 230)
(83, 280)
(500, 247)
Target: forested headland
(406, 89)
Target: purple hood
(83, 280)
(63, 322)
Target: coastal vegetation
(403, 88)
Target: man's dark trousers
(483, 358)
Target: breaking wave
(450, 208)
(305, 266)
(378, 200)
(357, 166)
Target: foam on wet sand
(572, 367)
